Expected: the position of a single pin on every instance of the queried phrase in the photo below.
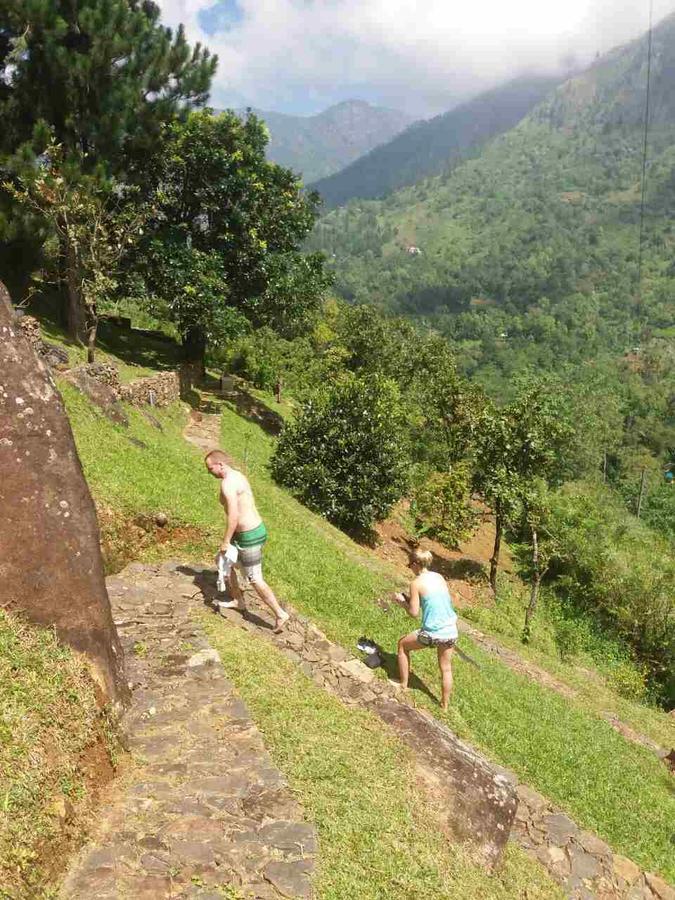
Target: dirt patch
(465, 568)
(125, 538)
(75, 819)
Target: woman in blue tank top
(429, 592)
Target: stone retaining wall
(162, 389)
(579, 860)
(53, 356)
(30, 329)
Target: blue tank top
(438, 615)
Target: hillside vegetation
(560, 747)
(434, 146)
(536, 256)
(530, 253)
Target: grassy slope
(560, 748)
(47, 719)
(357, 783)
(505, 620)
(135, 355)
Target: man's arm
(232, 506)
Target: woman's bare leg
(445, 665)
(407, 643)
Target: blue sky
(423, 56)
(221, 17)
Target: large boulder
(51, 570)
(479, 802)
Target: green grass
(48, 717)
(135, 355)
(561, 748)
(164, 475)
(357, 782)
(591, 675)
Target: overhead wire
(645, 151)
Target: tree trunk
(494, 562)
(534, 588)
(194, 346)
(642, 494)
(92, 328)
(77, 325)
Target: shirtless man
(245, 531)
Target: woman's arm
(412, 604)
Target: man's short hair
(218, 456)
(423, 557)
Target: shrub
(441, 505)
(628, 679)
(610, 565)
(346, 455)
(568, 639)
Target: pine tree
(101, 75)
(100, 78)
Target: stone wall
(51, 570)
(579, 860)
(53, 356)
(30, 329)
(162, 389)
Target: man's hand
(230, 552)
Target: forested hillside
(534, 246)
(316, 146)
(530, 257)
(431, 147)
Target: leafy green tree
(441, 505)
(190, 289)
(540, 546)
(529, 439)
(442, 406)
(217, 194)
(94, 227)
(346, 455)
(100, 78)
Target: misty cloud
(302, 55)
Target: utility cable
(645, 149)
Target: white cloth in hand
(232, 553)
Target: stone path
(203, 430)
(201, 812)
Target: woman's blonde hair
(423, 558)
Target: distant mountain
(317, 146)
(430, 147)
(536, 241)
